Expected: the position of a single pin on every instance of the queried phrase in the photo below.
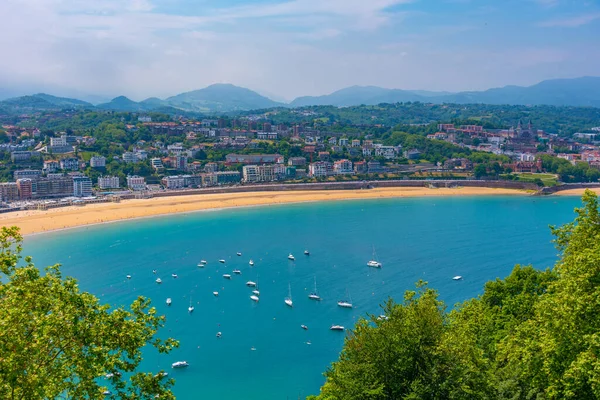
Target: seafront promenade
(42, 205)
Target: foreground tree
(533, 335)
(59, 342)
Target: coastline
(34, 221)
(576, 192)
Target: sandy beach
(576, 192)
(35, 221)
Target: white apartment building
(129, 157)
(108, 182)
(156, 163)
(58, 141)
(320, 168)
(82, 186)
(97, 162)
(262, 173)
(343, 167)
(388, 152)
(136, 183)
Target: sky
(290, 48)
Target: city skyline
(286, 49)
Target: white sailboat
(169, 301)
(336, 328)
(180, 364)
(457, 278)
(288, 300)
(226, 276)
(237, 272)
(314, 295)
(222, 261)
(291, 257)
(158, 280)
(251, 284)
(251, 263)
(191, 307)
(345, 303)
(255, 298)
(374, 263)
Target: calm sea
(263, 352)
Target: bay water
(263, 352)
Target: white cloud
(571, 22)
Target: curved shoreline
(34, 221)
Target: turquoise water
(430, 239)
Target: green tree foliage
(533, 335)
(59, 342)
(580, 172)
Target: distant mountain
(357, 95)
(123, 103)
(583, 91)
(42, 101)
(221, 98)
(153, 102)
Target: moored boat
(180, 364)
(288, 300)
(336, 328)
(169, 301)
(226, 276)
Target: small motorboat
(158, 280)
(383, 317)
(255, 298)
(252, 348)
(251, 284)
(251, 263)
(128, 276)
(374, 264)
(457, 278)
(256, 292)
(191, 309)
(216, 294)
(174, 275)
(304, 327)
(222, 261)
(239, 254)
(180, 364)
(291, 257)
(169, 301)
(201, 265)
(306, 253)
(237, 272)
(161, 374)
(226, 276)
(336, 328)
(154, 271)
(219, 334)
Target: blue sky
(289, 48)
